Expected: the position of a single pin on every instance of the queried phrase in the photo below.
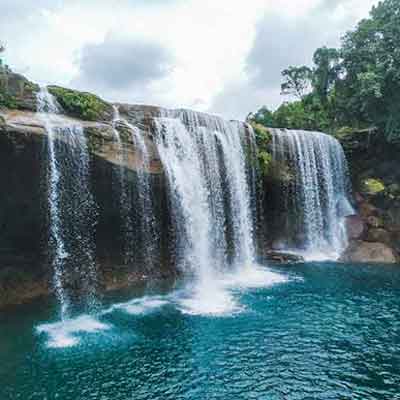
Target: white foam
(64, 333)
(253, 276)
(218, 298)
(208, 299)
(143, 305)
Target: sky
(218, 56)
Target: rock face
(25, 270)
(375, 170)
(367, 252)
(355, 226)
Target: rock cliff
(24, 263)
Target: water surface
(312, 331)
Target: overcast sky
(218, 56)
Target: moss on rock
(372, 186)
(263, 139)
(8, 101)
(81, 104)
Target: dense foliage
(357, 85)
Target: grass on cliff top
(80, 104)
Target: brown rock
(393, 219)
(358, 198)
(282, 257)
(379, 235)
(367, 209)
(374, 222)
(355, 226)
(366, 252)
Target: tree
(263, 116)
(326, 71)
(371, 59)
(2, 50)
(297, 81)
(357, 85)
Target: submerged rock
(367, 252)
(284, 258)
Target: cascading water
(204, 160)
(317, 192)
(125, 199)
(146, 225)
(71, 207)
(209, 168)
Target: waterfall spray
(125, 198)
(71, 206)
(146, 225)
(318, 191)
(204, 160)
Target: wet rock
(358, 198)
(355, 226)
(393, 218)
(379, 235)
(367, 209)
(282, 257)
(279, 244)
(367, 252)
(374, 222)
(101, 139)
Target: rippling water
(315, 331)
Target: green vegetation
(356, 86)
(263, 138)
(372, 186)
(80, 104)
(8, 101)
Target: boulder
(355, 226)
(374, 222)
(367, 252)
(395, 236)
(379, 235)
(282, 257)
(393, 218)
(366, 209)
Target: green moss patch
(263, 138)
(81, 104)
(372, 186)
(8, 101)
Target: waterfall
(317, 190)
(146, 226)
(125, 199)
(205, 163)
(71, 207)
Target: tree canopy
(356, 85)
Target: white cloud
(209, 51)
